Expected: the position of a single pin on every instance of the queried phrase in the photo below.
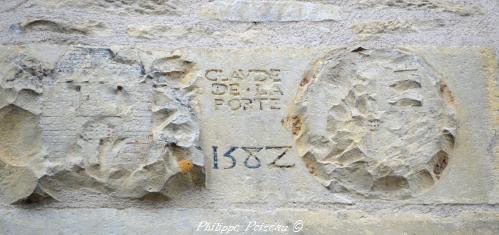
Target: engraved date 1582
(252, 161)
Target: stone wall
(250, 117)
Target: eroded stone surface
(108, 122)
(23, 72)
(20, 134)
(375, 123)
(16, 183)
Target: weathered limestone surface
(146, 7)
(177, 116)
(383, 125)
(103, 121)
(257, 11)
(320, 221)
(372, 29)
(461, 8)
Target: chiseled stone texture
(155, 116)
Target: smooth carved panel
(375, 123)
(243, 96)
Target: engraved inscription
(245, 90)
(254, 157)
